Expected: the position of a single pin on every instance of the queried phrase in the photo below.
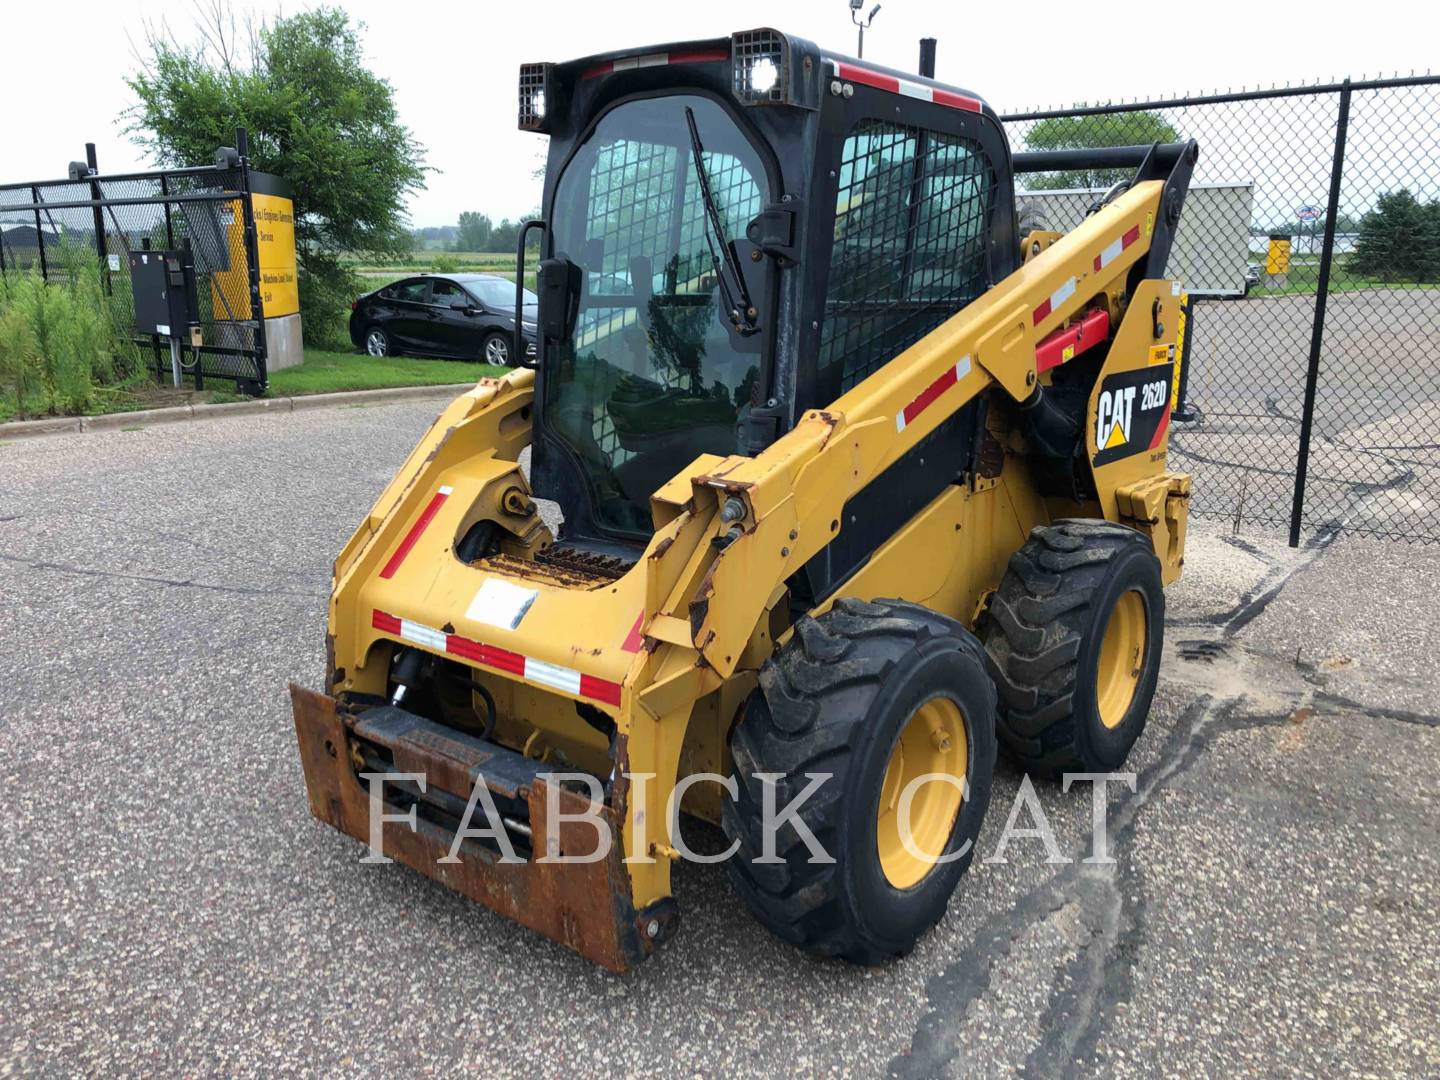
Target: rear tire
(843, 698)
(377, 343)
(1075, 632)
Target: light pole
(855, 6)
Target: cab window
(910, 243)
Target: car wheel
(496, 349)
(377, 342)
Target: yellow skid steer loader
(856, 481)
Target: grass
(1304, 278)
(327, 372)
(321, 372)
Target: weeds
(60, 346)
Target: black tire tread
(1033, 631)
(817, 694)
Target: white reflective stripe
(421, 634)
(1112, 251)
(915, 90)
(962, 368)
(648, 60)
(561, 678)
(1063, 293)
(445, 489)
(900, 420)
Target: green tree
(473, 232)
(1399, 240)
(317, 116)
(1138, 128)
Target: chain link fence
(54, 227)
(1310, 248)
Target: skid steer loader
(856, 484)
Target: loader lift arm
(797, 489)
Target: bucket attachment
(585, 905)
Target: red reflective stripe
(1042, 309)
(700, 56)
(596, 70)
(869, 78)
(1160, 430)
(436, 501)
(489, 655)
(1086, 334)
(493, 656)
(1130, 237)
(929, 394)
(955, 101)
(599, 689)
(634, 639)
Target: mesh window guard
(910, 242)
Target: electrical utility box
(163, 284)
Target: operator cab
(734, 231)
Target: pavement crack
(148, 579)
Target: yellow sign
(1278, 260)
(275, 245)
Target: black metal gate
(1313, 387)
(46, 226)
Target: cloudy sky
(453, 66)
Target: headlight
(767, 68)
(536, 96)
(764, 74)
(758, 61)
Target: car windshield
(654, 375)
(497, 293)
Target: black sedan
(471, 316)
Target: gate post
(101, 248)
(252, 256)
(1317, 329)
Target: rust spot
(662, 547)
(699, 609)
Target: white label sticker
(163, 329)
(499, 603)
(113, 261)
(1175, 288)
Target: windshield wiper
(742, 310)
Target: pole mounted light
(855, 6)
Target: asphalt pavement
(170, 907)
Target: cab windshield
(655, 374)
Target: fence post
(39, 236)
(252, 256)
(92, 163)
(1317, 329)
(169, 229)
(1184, 414)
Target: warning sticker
(499, 603)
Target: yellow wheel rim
(932, 741)
(1122, 658)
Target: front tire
(1076, 630)
(496, 349)
(875, 695)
